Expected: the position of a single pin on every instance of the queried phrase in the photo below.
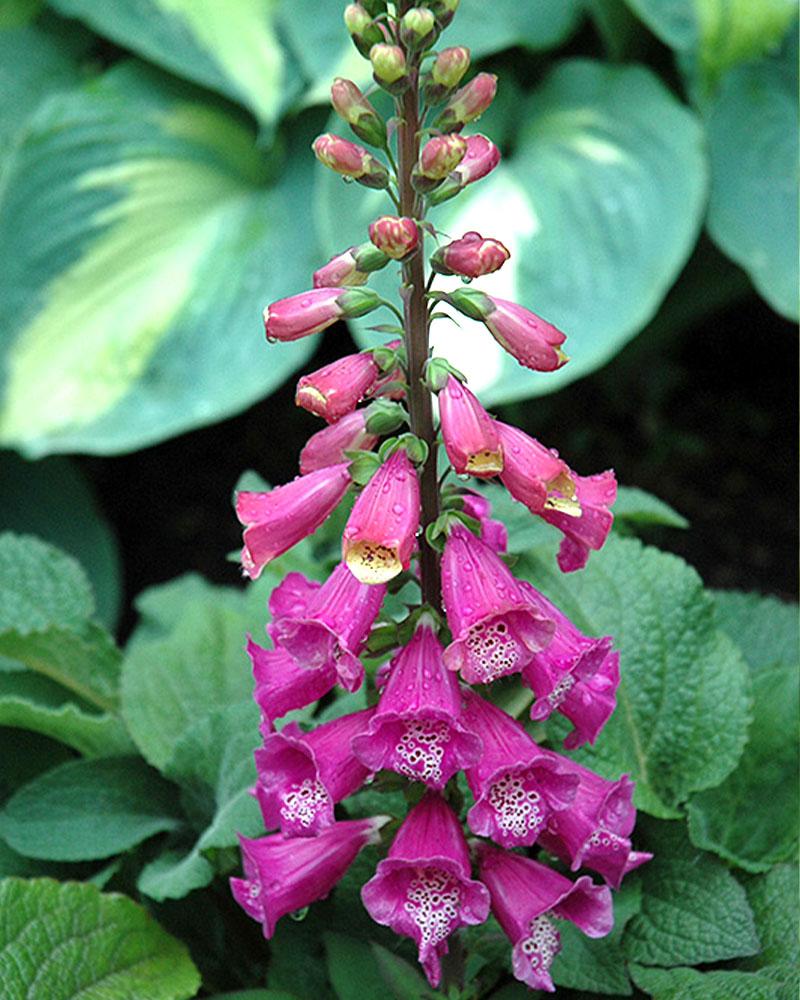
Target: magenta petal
(417, 730)
(493, 533)
(469, 433)
(589, 530)
(423, 889)
(495, 629)
(282, 685)
(284, 874)
(277, 520)
(327, 447)
(335, 390)
(528, 467)
(290, 599)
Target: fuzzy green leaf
(765, 629)
(691, 984)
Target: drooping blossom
(381, 531)
(469, 433)
(327, 447)
(480, 159)
(350, 268)
(595, 495)
(315, 310)
(356, 110)
(533, 474)
(327, 624)
(337, 388)
(495, 629)
(301, 776)
(526, 896)
(278, 519)
(284, 874)
(282, 685)
(517, 787)
(417, 730)
(468, 103)
(472, 256)
(424, 889)
(350, 160)
(595, 831)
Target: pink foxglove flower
(595, 831)
(417, 730)
(278, 519)
(327, 447)
(468, 103)
(517, 787)
(381, 531)
(595, 494)
(535, 475)
(284, 874)
(493, 533)
(472, 256)
(337, 388)
(332, 627)
(424, 889)
(495, 629)
(350, 160)
(282, 685)
(447, 71)
(355, 109)
(315, 310)
(301, 776)
(396, 236)
(480, 159)
(526, 896)
(440, 155)
(470, 436)
(341, 271)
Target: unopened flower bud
(445, 11)
(341, 271)
(468, 103)
(384, 417)
(396, 236)
(417, 28)
(355, 109)
(357, 302)
(446, 73)
(481, 157)
(363, 30)
(471, 256)
(439, 157)
(369, 258)
(350, 160)
(437, 372)
(389, 67)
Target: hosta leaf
(72, 942)
(691, 984)
(87, 809)
(231, 48)
(693, 910)
(682, 712)
(131, 300)
(753, 144)
(600, 205)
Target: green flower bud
(364, 32)
(384, 417)
(369, 258)
(355, 109)
(418, 28)
(358, 302)
(389, 67)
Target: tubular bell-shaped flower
(525, 895)
(330, 625)
(480, 159)
(350, 160)
(301, 776)
(278, 519)
(469, 433)
(472, 256)
(315, 310)
(284, 874)
(337, 388)
(327, 447)
(594, 832)
(424, 889)
(495, 629)
(533, 474)
(381, 531)
(493, 533)
(517, 787)
(417, 730)
(282, 685)
(595, 494)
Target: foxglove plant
(431, 712)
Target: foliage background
(156, 191)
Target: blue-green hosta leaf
(131, 299)
(753, 144)
(229, 47)
(72, 942)
(599, 205)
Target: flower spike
(282, 685)
(470, 436)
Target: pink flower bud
(337, 388)
(350, 160)
(327, 447)
(313, 311)
(450, 66)
(480, 159)
(441, 155)
(381, 531)
(471, 256)
(355, 109)
(468, 103)
(341, 271)
(396, 236)
(388, 66)
(470, 436)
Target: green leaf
(682, 705)
(352, 969)
(753, 144)
(33, 498)
(72, 942)
(131, 300)
(231, 48)
(691, 984)
(693, 910)
(297, 959)
(87, 809)
(405, 982)
(14, 13)
(638, 507)
(765, 629)
(775, 905)
(609, 175)
(254, 995)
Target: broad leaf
(600, 207)
(231, 48)
(637, 507)
(691, 984)
(352, 968)
(773, 898)
(765, 629)
(72, 942)
(681, 676)
(753, 144)
(89, 809)
(132, 297)
(693, 910)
